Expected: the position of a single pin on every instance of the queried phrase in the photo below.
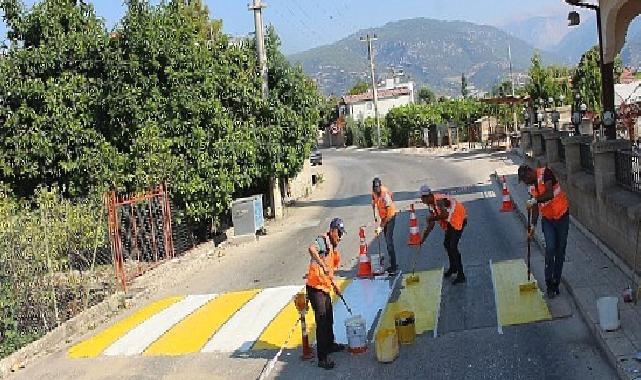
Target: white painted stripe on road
(366, 298)
(438, 306)
(138, 339)
(242, 330)
(496, 300)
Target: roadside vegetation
(164, 97)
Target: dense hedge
(163, 97)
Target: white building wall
(362, 110)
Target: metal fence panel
(628, 170)
(587, 159)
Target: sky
(304, 24)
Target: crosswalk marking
(245, 327)
(94, 346)
(193, 332)
(136, 340)
(366, 298)
(262, 319)
(423, 298)
(513, 306)
(276, 333)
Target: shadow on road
(403, 196)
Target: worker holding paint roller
(550, 201)
(383, 203)
(325, 259)
(451, 216)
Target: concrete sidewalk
(591, 272)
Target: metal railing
(628, 169)
(560, 145)
(587, 159)
(561, 148)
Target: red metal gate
(140, 232)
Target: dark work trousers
(389, 239)
(556, 239)
(452, 237)
(324, 315)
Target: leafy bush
(51, 251)
(364, 133)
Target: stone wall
(301, 185)
(607, 210)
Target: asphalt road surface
(468, 344)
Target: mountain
(580, 39)
(431, 52)
(584, 36)
(541, 32)
(631, 52)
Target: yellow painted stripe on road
(513, 306)
(95, 345)
(423, 298)
(192, 333)
(275, 335)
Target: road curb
(593, 325)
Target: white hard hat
(425, 190)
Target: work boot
(326, 363)
(449, 272)
(551, 293)
(460, 279)
(337, 347)
(555, 288)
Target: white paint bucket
(356, 334)
(608, 308)
(377, 263)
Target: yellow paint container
(405, 327)
(387, 348)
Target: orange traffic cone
(364, 262)
(301, 304)
(415, 237)
(507, 201)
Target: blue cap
(338, 224)
(425, 190)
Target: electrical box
(247, 215)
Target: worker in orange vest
(325, 259)
(547, 199)
(451, 216)
(383, 202)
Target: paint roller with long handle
(338, 291)
(529, 285)
(341, 296)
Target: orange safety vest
(456, 212)
(318, 279)
(556, 207)
(379, 202)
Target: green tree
(426, 95)
(290, 124)
(587, 78)
(503, 88)
(464, 91)
(328, 111)
(358, 88)
(50, 83)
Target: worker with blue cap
(325, 259)
(451, 216)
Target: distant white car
(316, 157)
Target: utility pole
(257, 8)
(509, 54)
(370, 53)
(275, 196)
